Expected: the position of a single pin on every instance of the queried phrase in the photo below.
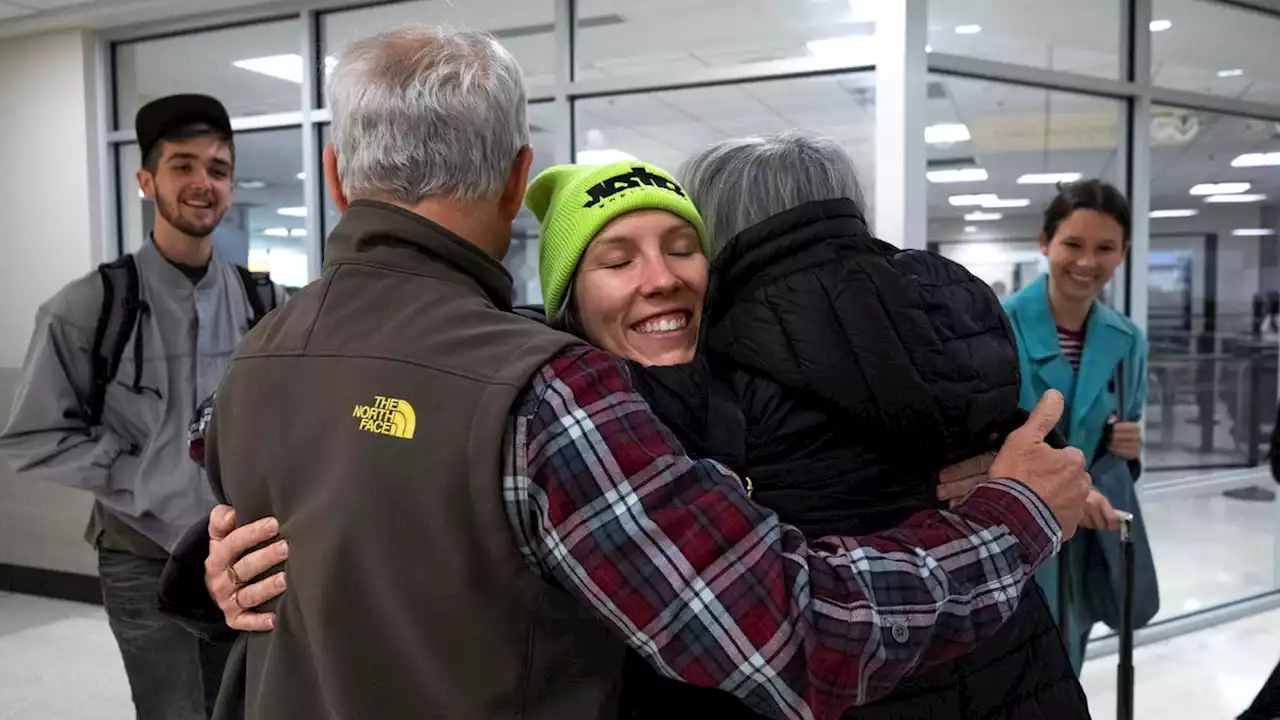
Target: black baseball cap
(160, 116)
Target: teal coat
(1109, 338)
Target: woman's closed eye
(615, 263)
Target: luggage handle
(1124, 673)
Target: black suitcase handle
(1124, 674)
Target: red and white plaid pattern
(716, 591)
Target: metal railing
(1211, 409)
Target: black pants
(1267, 705)
(173, 675)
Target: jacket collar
(779, 242)
(1108, 339)
(784, 234)
(377, 233)
(1041, 334)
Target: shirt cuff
(1011, 503)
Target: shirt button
(900, 632)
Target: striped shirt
(714, 590)
(1072, 344)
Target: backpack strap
(261, 292)
(117, 318)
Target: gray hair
(738, 183)
(423, 111)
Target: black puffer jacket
(860, 371)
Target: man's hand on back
(1057, 476)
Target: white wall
(51, 234)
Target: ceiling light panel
(960, 175)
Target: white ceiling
(1015, 130)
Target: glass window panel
(667, 128)
(526, 29)
(1081, 37)
(522, 258)
(627, 39)
(1213, 48)
(1013, 131)
(1213, 547)
(265, 227)
(253, 69)
(1214, 274)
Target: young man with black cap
(118, 362)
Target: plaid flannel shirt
(716, 591)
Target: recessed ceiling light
(285, 67)
(1227, 188)
(251, 184)
(968, 29)
(1007, 203)
(928, 48)
(1266, 159)
(1253, 232)
(603, 157)
(1233, 72)
(1048, 178)
(276, 232)
(292, 211)
(1158, 214)
(1221, 199)
(972, 200)
(979, 216)
(1161, 25)
(961, 175)
(301, 176)
(971, 228)
(947, 134)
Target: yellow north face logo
(387, 416)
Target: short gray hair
(423, 111)
(738, 183)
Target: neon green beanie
(575, 202)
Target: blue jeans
(173, 675)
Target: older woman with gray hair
(848, 379)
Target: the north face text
(387, 416)
(637, 177)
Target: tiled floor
(1209, 675)
(59, 662)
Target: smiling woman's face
(1084, 254)
(640, 286)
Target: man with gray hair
(502, 511)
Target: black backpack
(123, 309)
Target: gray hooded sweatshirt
(136, 463)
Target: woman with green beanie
(625, 241)
(851, 384)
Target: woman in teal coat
(1070, 341)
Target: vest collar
(378, 233)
